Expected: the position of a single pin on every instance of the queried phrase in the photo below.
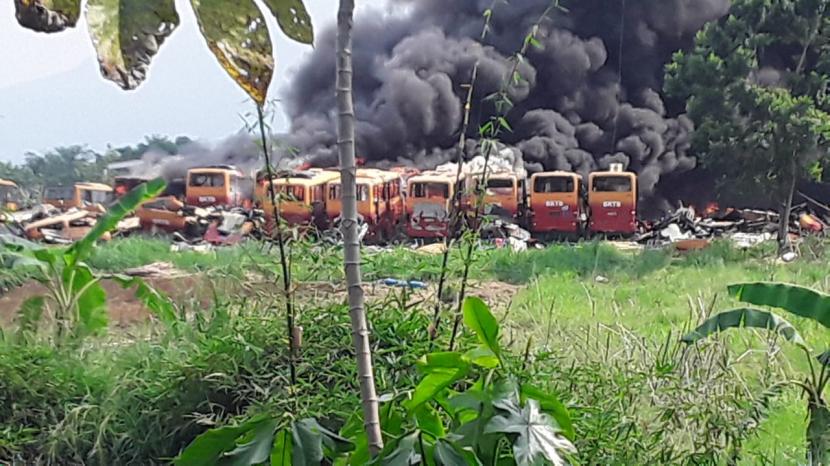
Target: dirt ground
(124, 308)
(196, 292)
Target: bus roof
(93, 186)
(9, 183)
(434, 177)
(371, 176)
(316, 178)
(214, 170)
(603, 174)
(557, 173)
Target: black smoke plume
(590, 94)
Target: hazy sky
(51, 93)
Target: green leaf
(47, 15)
(307, 443)
(141, 193)
(537, 437)
(744, 318)
(405, 454)
(29, 315)
(442, 370)
(293, 19)
(209, 447)
(237, 35)
(798, 300)
(281, 453)
(477, 316)
(255, 450)
(159, 303)
(483, 357)
(551, 405)
(90, 298)
(448, 454)
(127, 34)
(429, 421)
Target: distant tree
(756, 87)
(65, 166)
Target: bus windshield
(500, 186)
(8, 193)
(554, 184)
(612, 184)
(206, 180)
(422, 190)
(61, 193)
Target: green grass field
(567, 292)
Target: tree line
(70, 164)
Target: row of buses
(419, 204)
(390, 202)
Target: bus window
(554, 184)
(334, 192)
(61, 193)
(612, 184)
(214, 180)
(421, 190)
(95, 197)
(362, 192)
(500, 186)
(317, 194)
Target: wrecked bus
(612, 200)
(79, 195)
(555, 204)
(428, 204)
(301, 196)
(501, 197)
(10, 196)
(379, 201)
(221, 185)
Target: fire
(305, 166)
(712, 208)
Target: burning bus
(428, 204)
(79, 195)
(379, 201)
(555, 204)
(612, 200)
(10, 196)
(218, 185)
(301, 196)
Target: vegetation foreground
(596, 326)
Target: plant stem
(286, 270)
(351, 242)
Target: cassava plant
(469, 408)
(803, 302)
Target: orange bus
(502, 195)
(612, 200)
(429, 198)
(10, 197)
(221, 185)
(79, 195)
(301, 196)
(555, 203)
(380, 201)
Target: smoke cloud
(589, 94)
(239, 150)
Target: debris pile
(687, 229)
(51, 225)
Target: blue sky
(51, 93)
